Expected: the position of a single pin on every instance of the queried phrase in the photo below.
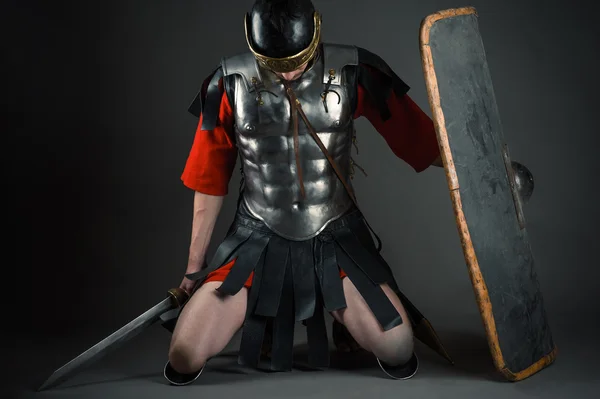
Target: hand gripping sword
(176, 298)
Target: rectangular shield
(488, 211)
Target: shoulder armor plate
(335, 58)
(374, 61)
(208, 100)
(197, 106)
(245, 66)
(380, 87)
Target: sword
(176, 298)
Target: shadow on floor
(470, 353)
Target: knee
(184, 358)
(394, 346)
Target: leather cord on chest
(297, 147)
(296, 108)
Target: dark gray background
(94, 106)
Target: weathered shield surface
(488, 211)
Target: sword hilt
(178, 296)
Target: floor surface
(135, 371)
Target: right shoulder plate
(208, 100)
(245, 66)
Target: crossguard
(178, 296)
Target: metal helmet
(283, 35)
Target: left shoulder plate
(335, 58)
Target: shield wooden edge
(479, 284)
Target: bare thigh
(393, 346)
(205, 326)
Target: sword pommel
(179, 297)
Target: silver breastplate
(264, 135)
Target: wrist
(195, 266)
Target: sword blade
(113, 341)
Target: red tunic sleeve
(211, 160)
(409, 132)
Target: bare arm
(206, 210)
(208, 171)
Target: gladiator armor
(290, 179)
(263, 133)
